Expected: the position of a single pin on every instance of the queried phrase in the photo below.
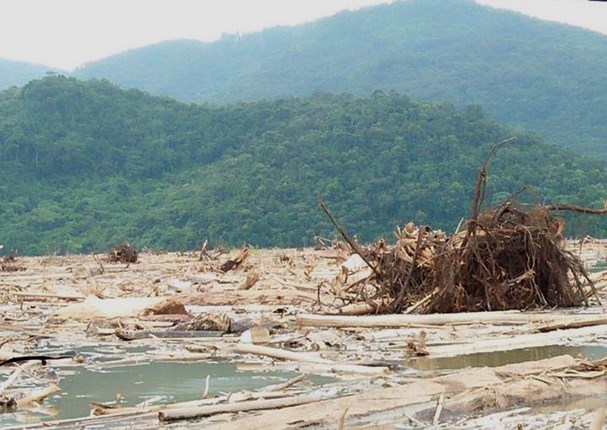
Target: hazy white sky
(67, 33)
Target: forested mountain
(546, 77)
(17, 73)
(86, 165)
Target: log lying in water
(255, 405)
(319, 362)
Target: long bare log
(328, 365)
(280, 353)
(100, 409)
(574, 323)
(524, 392)
(533, 340)
(255, 405)
(402, 320)
(25, 295)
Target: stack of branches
(404, 271)
(123, 253)
(509, 257)
(10, 264)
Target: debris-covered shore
(283, 310)
(498, 325)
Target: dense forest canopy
(87, 165)
(542, 76)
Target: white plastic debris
(353, 263)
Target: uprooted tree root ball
(509, 257)
(123, 253)
(10, 264)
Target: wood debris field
(288, 312)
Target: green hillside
(87, 165)
(543, 76)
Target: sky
(65, 34)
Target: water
(598, 267)
(501, 358)
(169, 382)
(173, 382)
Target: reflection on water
(501, 358)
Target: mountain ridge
(538, 75)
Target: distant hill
(18, 73)
(86, 165)
(542, 76)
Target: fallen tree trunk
(407, 320)
(255, 405)
(327, 365)
(280, 353)
(574, 323)
(509, 343)
(101, 409)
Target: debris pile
(123, 253)
(404, 271)
(10, 264)
(509, 257)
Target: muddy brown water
(501, 358)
